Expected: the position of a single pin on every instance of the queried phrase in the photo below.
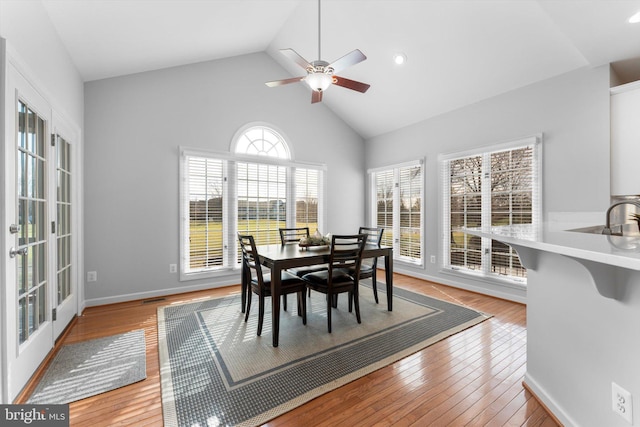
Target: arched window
(259, 140)
(256, 189)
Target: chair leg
(329, 306)
(302, 306)
(374, 284)
(245, 286)
(350, 301)
(284, 302)
(356, 303)
(248, 308)
(260, 314)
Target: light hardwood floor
(472, 378)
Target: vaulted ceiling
(458, 51)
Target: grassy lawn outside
(206, 238)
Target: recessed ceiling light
(399, 58)
(635, 18)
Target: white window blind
(262, 201)
(496, 187)
(205, 223)
(308, 186)
(410, 189)
(397, 194)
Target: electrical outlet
(621, 402)
(433, 259)
(92, 276)
(173, 268)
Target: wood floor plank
(471, 378)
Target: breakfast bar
(583, 315)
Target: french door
(40, 277)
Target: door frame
(11, 70)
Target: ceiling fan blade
(316, 96)
(350, 84)
(351, 58)
(293, 55)
(284, 81)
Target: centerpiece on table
(315, 240)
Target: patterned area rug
(92, 367)
(216, 371)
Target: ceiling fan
(321, 74)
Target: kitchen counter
(621, 251)
(598, 253)
(580, 338)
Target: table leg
(388, 270)
(276, 274)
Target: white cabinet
(625, 139)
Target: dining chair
(260, 284)
(346, 253)
(292, 236)
(369, 266)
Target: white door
(38, 277)
(65, 295)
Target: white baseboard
(509, 296)
(551, 405)
(159, 293)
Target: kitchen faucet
(607, 227)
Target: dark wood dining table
(280, 257)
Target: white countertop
(620, 251)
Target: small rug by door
(215, 370)
(92, 367)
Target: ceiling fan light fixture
(319, 81)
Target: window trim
(536, 141)
(243, 129)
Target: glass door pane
(32, 218)
(63, 219)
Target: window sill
(186, 277)
(489, 279)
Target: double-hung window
(255, 190)
(397, 195)
(499, 186)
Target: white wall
(32, 40)
(571, 110)
(134, 126)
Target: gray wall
(571, 111)
(134, 126)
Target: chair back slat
(346, 251)
(250, 261)
(293, 235)
(374, 234)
